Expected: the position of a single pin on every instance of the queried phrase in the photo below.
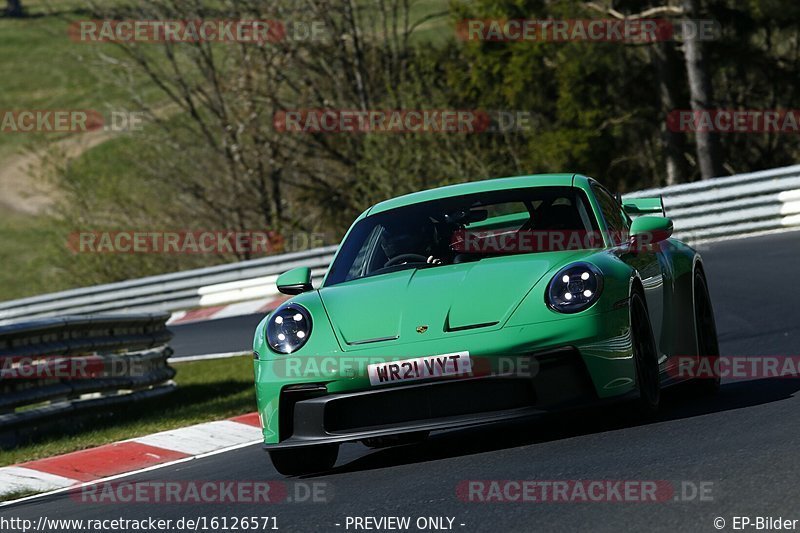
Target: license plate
(434, 366)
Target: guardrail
(707, 210)
(53, 367)
(172, 292)
(733, 206)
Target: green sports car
(479, 303)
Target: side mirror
(295, 281)
(649, 230)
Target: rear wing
(635, 207)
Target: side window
(612, 212)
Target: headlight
(288, 328)
(575, 288)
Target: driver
(414, 239)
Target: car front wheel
(707, 343)
(645, 356)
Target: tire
(307, 460)
(706, 328)
(645, 357)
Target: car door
(652, 263)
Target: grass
(10, 496)
(43, 69)
(25, 268)
(437, 27)
(207, 391)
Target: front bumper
(311, 415)
(576, 361)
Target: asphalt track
(233, 334)
(745, 441)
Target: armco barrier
(171, 292)
(722, 207)
(53, 367)
(733, 206)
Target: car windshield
(465, 228)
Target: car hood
(448, 300)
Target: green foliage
(213, 160)
(599, 102)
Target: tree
(218, 155)
(702, 98)
(217, 160)
(668, 63)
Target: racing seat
(558, 217)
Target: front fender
(617, 278)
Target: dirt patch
(22, 186)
